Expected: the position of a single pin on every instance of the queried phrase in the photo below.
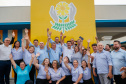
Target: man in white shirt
(5, 64)
(67, 50)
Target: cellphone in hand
(81, 38)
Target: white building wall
(15, 14)
(22, 13)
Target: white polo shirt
(67, 52)
(5, 52)
(93, 54)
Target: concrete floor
(11, 81)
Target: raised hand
(61, 34)
(50, 33)
(53, 14)
(96, 38)
(10, 56)
(88, 53)
(22, 39)
(49, 38)
(82, 47)
(26, 30)
(64, 36)
(72, 12)
(47, 29)
(26, 37)
(13, 34)
(38, 54)
(33, 55)
(89, 41)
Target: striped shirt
(102, 61)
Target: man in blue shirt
(58, 45)
(118, 60)
(102, 61)
(43, 52)
(53, 52)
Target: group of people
(62, 63)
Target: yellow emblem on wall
(63, 11)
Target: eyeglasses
(7, 40)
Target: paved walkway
(11, 81)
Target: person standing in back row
(67, 50)
(118, 60)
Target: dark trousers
(32, 73)
(5, 67)
(41, 81)
(54, 82)
(88, 81)
(68, 80)
(96, 78)
(15, 74)
(112, 81)
(78, 83)
(119, 80)
(29, 82)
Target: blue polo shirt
(43, 54)
(22, 75)
(54, 55)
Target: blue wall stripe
(19, 37)
(110, 23)
(15, 23)
(99, 23)
(5, 34)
